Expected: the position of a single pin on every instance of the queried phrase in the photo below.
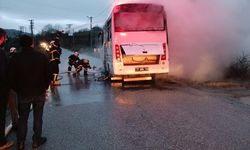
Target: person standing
(54, 53)
(29, 76)
(4, 144)
(12, 98)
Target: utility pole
(69, 28)
(21, 30)
(31, 26)
(71, 33)
(73, 38)
(90, 18)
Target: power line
(80, 26)
(101, 12)
(87, 24)
(90, 32)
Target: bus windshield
(139, 21)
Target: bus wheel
(123, 83)
(107, 71)
(153, 81)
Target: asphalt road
(85, 114)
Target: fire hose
(99, 76)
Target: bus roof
(138, 7)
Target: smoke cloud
(204, 36)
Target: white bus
(135, 42)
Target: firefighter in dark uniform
(83, 64)
(54, 54)
(72, 60)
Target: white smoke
(204, 35)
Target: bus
(135, 42)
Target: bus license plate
(138, 69)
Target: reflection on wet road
(77, 89)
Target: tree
(48, 29)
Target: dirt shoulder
(238, 89)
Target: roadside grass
(237, 75)
(239, 69)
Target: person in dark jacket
(4, 144)
(12, 98)
(72, 60)
(82, 64)
(54, 53)
(29, 76)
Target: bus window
(109, 34)
(107, 30)
(139, 21)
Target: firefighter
(83, 64)
(72, 60)
(54, 54)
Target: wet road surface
(84, 114)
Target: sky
(205, 36)
(16, 13)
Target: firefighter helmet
(85, 61)
(53, 44)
